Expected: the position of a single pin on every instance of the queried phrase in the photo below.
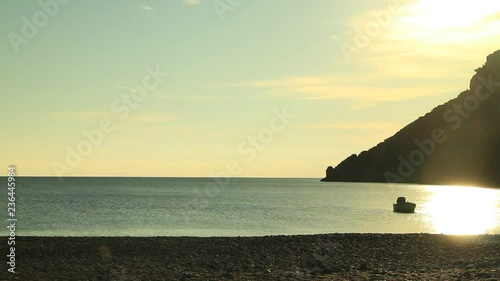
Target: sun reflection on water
(463, 210)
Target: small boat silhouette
(402, 206)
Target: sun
(432, 15)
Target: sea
(134, 206)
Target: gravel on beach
(300, 257)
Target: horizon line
(138, 176)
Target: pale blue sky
(227, 75)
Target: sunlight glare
(445, 14)
(463, 210)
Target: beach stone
(327, 271)
(470, 266)
(467, 274)
(310, 263)
(378, 271)
(334, 268)
(484, 275)
(376, 278)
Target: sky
(240, 88)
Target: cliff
(456, 143)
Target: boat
(402, 206)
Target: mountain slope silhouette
(458, 142)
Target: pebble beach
(299, 257)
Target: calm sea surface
(243, 207)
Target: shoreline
(299, 257)
(31, 237)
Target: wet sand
(301, 257)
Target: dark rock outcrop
(456, 143)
